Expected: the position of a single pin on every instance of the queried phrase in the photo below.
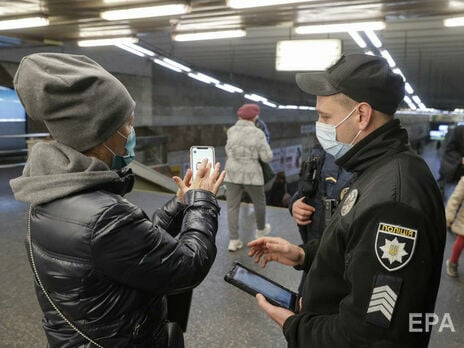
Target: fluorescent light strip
(203, 78)
(255, 97)
(341, 27)
(178, 65)
(271, 105)
(224, 88)
(399, 72)
(374, 39)
(291, 107)
(408, 88)
(129, 49)
(175, 66)
(260, 3)
(388, 57)
(358, 39)
(144, 12)
(20, 23)
(107, 42)
(228, 88)
(209, 24)
(166, 65)
(94, 32)
(233, 88)
(209, 35)
(416, 99)
(453, 22)
(142, 50)
(12, 120)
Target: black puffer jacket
(379, 260)
(108, 267)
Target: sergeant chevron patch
(383, 300)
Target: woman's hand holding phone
(203, 180)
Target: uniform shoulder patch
(349, 202)
(394, 245)
(385, 293)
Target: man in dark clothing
(379, 260)
(322, 185)
(452, 161)
(328, 186)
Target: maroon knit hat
(248, 111)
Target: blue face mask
(123, 161)
(327, 136)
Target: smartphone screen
(198, 154)
(248, 280)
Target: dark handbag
(268, 173)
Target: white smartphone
(198, 154)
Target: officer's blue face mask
(123, 161)
(327, 136)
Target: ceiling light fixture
(340, 27)
(399, 72)
(19, 23)
(106, 32)
(255, 97)
(203, 78)
(209, 35)
(208, 24)
(408, 88)
(271, 105)
(142, 50)
(260, 3)
(388, 57)
(176, 64)
(358, 39)
(107, 41)
(453, 22)
(373, 38)
(416, 99)
(143, 12)
(166, 65)
(290, 107)
(298, 55)
(130, 49)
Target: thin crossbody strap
(45, 291)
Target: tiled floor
(220, 315)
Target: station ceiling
(430, 55)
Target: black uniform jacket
(108, 267)
(379, 259)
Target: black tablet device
(254, 283)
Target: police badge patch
(394, 245)
(349, 202)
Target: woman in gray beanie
(102, 268)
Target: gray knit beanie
(81, 103)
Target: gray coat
(455, 209)
(246, 144)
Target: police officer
(322, 185)
(379, 259)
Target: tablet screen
(263, 286)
